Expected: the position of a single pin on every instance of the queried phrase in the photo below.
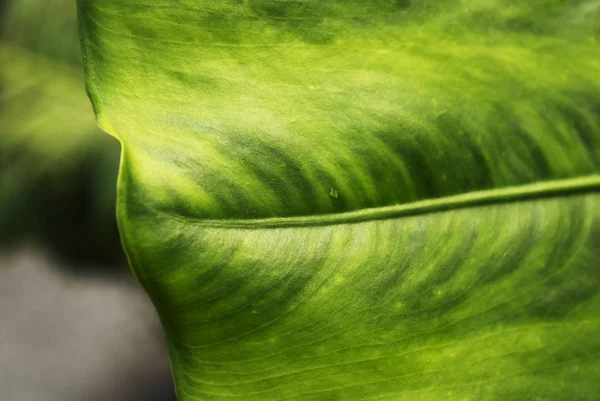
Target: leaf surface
(360, 200)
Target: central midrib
(544, 189)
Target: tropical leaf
(51, 185)
(47, 28)
(360, 200)
(41, 80)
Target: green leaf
(44, 27)
(50, 146)
(360, 200)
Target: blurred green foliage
(57, 170)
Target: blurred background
(74, 325)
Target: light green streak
(500, 195)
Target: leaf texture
(352, 200)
